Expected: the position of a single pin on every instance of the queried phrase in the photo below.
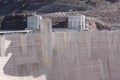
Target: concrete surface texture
(60, 55)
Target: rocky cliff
(106, 12)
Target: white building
(76, 21)
(33, 22)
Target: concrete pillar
(24, 43)
(46, 41)
(46, 26)
(2, 45)
(83, 21)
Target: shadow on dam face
(22, 70)
(18, 64)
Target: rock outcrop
(106, 10)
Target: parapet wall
(60, 56)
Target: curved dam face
(71, 55)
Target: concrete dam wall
(60, 55)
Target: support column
(2, 44)
(24, 43)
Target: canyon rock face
(113, 0)
(105, 10)
(91, 25)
